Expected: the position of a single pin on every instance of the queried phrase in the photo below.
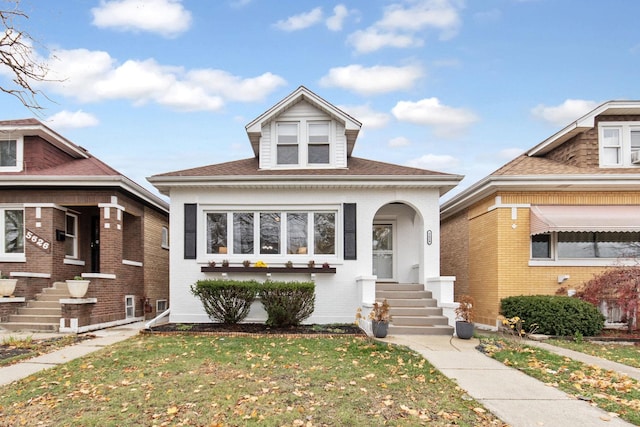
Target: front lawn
(621, 353)
(231, 381)
(616, 394)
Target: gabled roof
(532, 171)
(246, 172)
(586, 122)
(352, 126)
(83, 170)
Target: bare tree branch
(19, 59)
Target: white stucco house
(304, 197)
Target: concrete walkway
(516, 398)
(104, 337)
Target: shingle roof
(357, 167)
(524, 165)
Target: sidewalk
(104, 337)
(514, 397)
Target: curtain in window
(13, 231)
(270, 233)
(243, 233)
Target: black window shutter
(350, 246)
(190, 228)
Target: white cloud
(447, 122)
(510, 153)
(403, 24)
(369, 118)
(334, 22)
(93, 76)
(72, 119)
(372, 39)
(373, 80)
(301, 21)
(165, 17)
(399, 141)
(435, 162)
(565, 113)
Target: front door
(383, 251)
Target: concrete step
(25, 326)
(43, 304)
(26, 318)
(419, 321)
(420, 330)
(49, 311)
(399, 287)
(411, 302)
(400, 294)
(415, 311)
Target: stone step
(43, 304)
(26, 318)
(411, 302)
(400, 294)
(400, 287)
(419, 321)
(26, 326)
(415, 311)
(420, 330)
(48, 311)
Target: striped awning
(545, 219)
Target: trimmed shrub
(554, 315)
(287, 303)
(226, 301)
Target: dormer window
(11, 155)
(318, 143)
(287, 140)
(619, 144)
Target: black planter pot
(380, 329)
(464, 330)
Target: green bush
(226, 301)
(287, 303)
(554, 315)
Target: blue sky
(151, 86)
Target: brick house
(64, 213)
(551, 218)
(303, 197)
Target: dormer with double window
(303, 132)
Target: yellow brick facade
(499, 248)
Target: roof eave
(49, 135)
(492, 184)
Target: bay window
(277, 233)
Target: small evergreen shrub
(287, 303)
(554, 315)
(226, 301)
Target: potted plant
(7, 285)
(380, 318)
(78, 286)
(464, 317)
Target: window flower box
(242, 269)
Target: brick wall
(156, 258)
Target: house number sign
(38, 241)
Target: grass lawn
(621, 353)
(238, 381)
(617, 394)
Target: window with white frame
(585, 245)
(287, 143)
(12, 232)
(276, 233)
(161, 305)
(71, 236)
(318, 148)
(130, 306)
(11, 155)
(165, 238)
(619, 144)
